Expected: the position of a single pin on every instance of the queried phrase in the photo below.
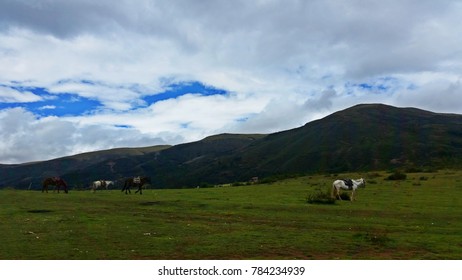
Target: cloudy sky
(84, 75)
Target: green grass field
(419, 218)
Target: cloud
(278, 64)
(189, 117)
(47, 107)
(11, 95)
(26, 137)
(438, 95)
(124, 99)
(62, 19)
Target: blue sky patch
(68, 104)
(53, 104)
(377, 86)
(373, 87)
(179, 89)
(122, 126)
(71, 104)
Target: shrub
(373, 175)
(320, 197)
(397, 175)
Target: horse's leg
(139, 188)
(352, 195)
(338, 194)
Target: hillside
(31, 174)
(363, 137)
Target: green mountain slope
(366, 137)
(363, 137)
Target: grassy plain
(419, 218)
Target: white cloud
(113, 97)
(47, 107)
(11, 95)
(283, 63)
(25, 137)
(187, 118)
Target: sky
(85, 75)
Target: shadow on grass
(38, 211)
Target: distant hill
(31, 174)
(363, 137)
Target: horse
(101, 184)
(54, 181)
(348, 185)
(135, 182)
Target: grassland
(419, 218)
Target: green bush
(320, 197)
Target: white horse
(348, 185)
(101, 184)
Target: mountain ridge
(360, 138)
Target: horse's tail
(332, 190)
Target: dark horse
(135, 182)
(54, 181)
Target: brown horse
(54, 181)
(135, 182)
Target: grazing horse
(54, 181)
(348, 185)
(101, 184)
(135, 182)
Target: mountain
(363, 137)
(31, 174)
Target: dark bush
(397, 175)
